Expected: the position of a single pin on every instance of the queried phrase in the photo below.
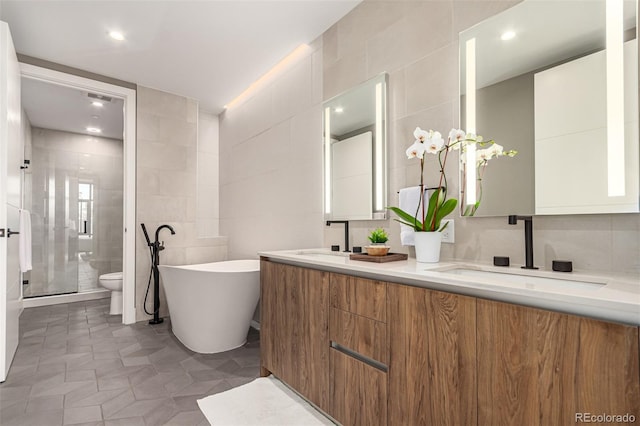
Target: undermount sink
(522, 280)
(324, 254)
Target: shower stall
(73, 189)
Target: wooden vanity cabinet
(541, 367)
(432, 357)
(374, 353)
(358, 356)
(294, 328)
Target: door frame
(129, 158)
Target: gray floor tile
(110, 383)
(129, 421)
(187, 418)
(74, 416)
(45, 403)
(80, 375)
(161, 414)
(89, 399)
(111, 407)
(76, 364)
(12, 411)
(48, 418)
(138, 408)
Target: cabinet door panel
(359, 296)
(358, 392)
(295, 328)
(541, 367)
(272, 289)
(313, 334)
(432, 355)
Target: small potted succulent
(378, 247)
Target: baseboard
(255, 324)
(65, 298)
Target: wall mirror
(558, 82)
(355, 152)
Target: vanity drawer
(362, 335)
(359, 296)
(358, 391)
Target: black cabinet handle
(10, 233)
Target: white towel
(25, 241)
(409, 199)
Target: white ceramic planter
(428, 246)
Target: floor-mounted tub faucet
(346, 232)
(528, 238)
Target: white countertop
(611, 298)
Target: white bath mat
(264, 402)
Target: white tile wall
(271, 147)
(270, 156)
(416, 43)
(168, 188)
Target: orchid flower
(496, 150)
(416, 150)
(456, 137)
(484, 155)
(434, 143)
(420, 135)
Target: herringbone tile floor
(76, 364)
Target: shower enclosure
(73, 189)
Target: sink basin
(525, 281)
(332, 256)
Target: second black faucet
(528, 238)
(346, 232)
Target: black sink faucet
(346, 232)
(528, 238)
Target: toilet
(113, 282)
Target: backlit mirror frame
(351, 115)
(617, 156)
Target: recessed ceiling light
(94, 130)
(116, 35)
(97, 104)
(339, 109)
(507, 35)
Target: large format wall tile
(175, 167)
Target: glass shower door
(54, 217)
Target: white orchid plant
(428, 217)
(488, 150)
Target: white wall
(271, 163)
(271, 195)
(208, 181)
(167, 176)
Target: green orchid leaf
(419, 228)
(446, 208)
(407, 218)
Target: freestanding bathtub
(211, 304)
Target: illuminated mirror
(355, 162)
(558, 82)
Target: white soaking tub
(211, 304)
